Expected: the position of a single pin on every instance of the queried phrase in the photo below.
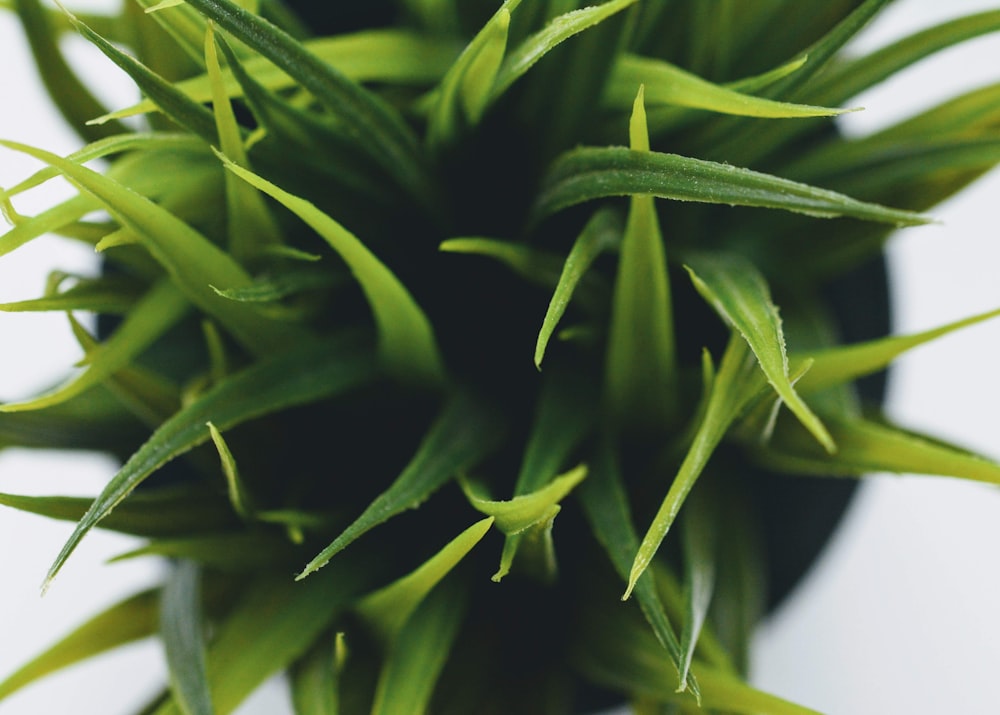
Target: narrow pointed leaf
(418, 654)
(110, 146)
(641, 367)
(557, 31)
(868, 446)
(234, 552)
(740, 295)
(669, 85)
(850, 78)
(698, 529)
(273, 624)
(591, 173)
(605, 505)
(125, 622)
(406, 338)
(194, 263)
(306, 373)
(104, 295)
(375, 126)
(250, 227)
(531, 263)
(602, 232)
(238, 495)
(388, 609)
(182, 633)
(387, 55)
(159, 310)
(71, 96)
(566, 412)
(630, 661)
(159, 513)
(481, 58)
(526, 510)
(843, 364)
(737, 383)
(466, 432)
(188, 114)
(49, 221)
(315, 681)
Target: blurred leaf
(698, 537)
(622, 655)
(389, 609)
(188, 114)
(184, 26)
(848, 79)
(238, 551)
(386, 55)
(305, 373)
(274, 623)
(532, 264)
(182, 633)
(96, 295)
(153, 513)
(845, 363)
(155, 313)
(192, 261)
(418, 653)
(315, 680)
(127, 621)
(464, 91)
(464, 433)
(867, 446)
(669, 85)
(76, 103)
(591, 173)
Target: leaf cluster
(378, 305)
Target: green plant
(491, 179)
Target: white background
(902, 617)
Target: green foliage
(523, 259)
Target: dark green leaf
(640, 379)
(419, 652)
(183, 634)
(389, 609)
(602, 232)
(308, 372)
(465, 433)
(606, 507)
(375, 127)
(157, 513)
(592, 173)
(272, 625)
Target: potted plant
(328, 260)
